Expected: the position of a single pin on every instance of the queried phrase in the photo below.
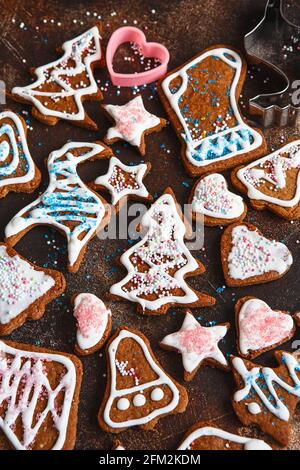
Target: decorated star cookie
(93, 323)
(62, 85)
(17, 170)
(138, 392)
(159, 263)
(273, 182)
(268, 397)
(259, 328)
(201, 99)
(67, 204)
(197, 344)
(211, 199)
(123, 181)
(25, 291)
(39, 397)
(132, 123)
(207, 436)
(250, 258)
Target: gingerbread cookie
(159, 263)
(207, 436)
(250, 258)
(94, 323)
(273, 182)
(132, 123)
(67, 204)
(18, 172)
(39, 397)
(198, 345)
(138, 392)
(201, 100)
(123, 181)
(268, 397)
(211, 200)
(62, 85)
(259, 328)
(117, 445)
(26, 289)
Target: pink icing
(260, 326)
(198, 340)
(128, 119)
(90, 315)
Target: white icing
(252, 177)
(162, 379)
(139, 400)
(137, 172)
(162, 222)
(261, 327)
(18, 147)
(247, 442)
(60, 76)
(213, 199)
(131, 121)
(26, 367)
(157, 394)
(66, 199)
(253, 408)
(197, 343)
(123, 404)
(254, 255)
(21, 285)
(92, 319)
(203, 146)
(261, 380)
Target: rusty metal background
(28, 37)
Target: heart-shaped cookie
(250, 258)
(259, 328)
(210, 198)
(129, 34)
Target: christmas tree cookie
(62, 85)
(17, 169)
(158, 264)
(39, 397)
(26, 289)
(138, 392)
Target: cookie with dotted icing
(26, 289)
(249, 258)
(68, 204)
(212, 202)
(138, 391)
(273, 182)
(123, 182)
(267, 397)
(94, 323)
(132, 122)
(259, 328)
(18, 171)
(208, 436)
(197, 344)
(39, 397)
(201, 100)
(159, 263)
(63, 85)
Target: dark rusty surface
(185, 27)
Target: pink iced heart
(129, 34)
(262, 328)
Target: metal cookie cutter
(283, 57)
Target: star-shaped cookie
(132, 123)
(123, 181)
(197, 344)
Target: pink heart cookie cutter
(147, 49)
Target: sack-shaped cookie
(138, 391)
(273, 182)
(201, 99)
(39, 397)
(62, 85)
